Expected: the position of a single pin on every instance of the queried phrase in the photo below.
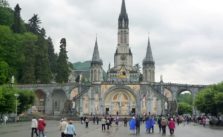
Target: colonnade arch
(58, 101)
(39, 102)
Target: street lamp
(16, 95)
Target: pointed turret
(123, 21)
(149, 56)
(96, 58)
(96, 71)
(148, 65)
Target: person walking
(159, 124)
(117, 120)
(163, 124)
(138, 125)
(132, 125)
(41, 126)
(5, 119)
(103, 122)
(86, 122)
(107, 123)
(34, 125)
(152, 123)
(97, 120)
(125, 122)
(70, 129)
(171, 125)
(62, 127)
(94, 119)
(82, 119)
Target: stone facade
(123, 91)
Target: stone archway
(58, 100)
(120, 101)
(40, 101)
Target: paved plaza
(22, 129)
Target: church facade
(125, 90)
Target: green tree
(52, 56)
(6, 16)
(209, 99)
(28, 66)
(4, 3)
(16, 27)
(26, 54)
(219, 102)
(184, 108)
(186, 98)
(9, 48)
(26, 99)
(42, 71)
(7, 99)
(62, 63)
(33, 25)
(4, 72)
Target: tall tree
(16, 27)
(33, 25)
(62, 63)
(28, 66)
(42, 72)
(52, 56)
(4, 72)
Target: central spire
(123, 21)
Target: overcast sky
(186, 35)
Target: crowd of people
(163, 123)
(150, 121)
(134, 124)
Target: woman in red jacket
(41, 126)
(171, 125)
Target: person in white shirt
(62, 127)
(34, 125)
(5, 118)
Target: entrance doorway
(107, 111)
(133, 111)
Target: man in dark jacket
(137, 125)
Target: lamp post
(16, 95)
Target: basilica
(124, 90)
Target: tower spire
(123, 9)
(123, 20)
(96, 56)
(149, 57)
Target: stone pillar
(80, 100)
(159, 109)
(138, 105)
(149, 106)
(48, 103)
(101, 107)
